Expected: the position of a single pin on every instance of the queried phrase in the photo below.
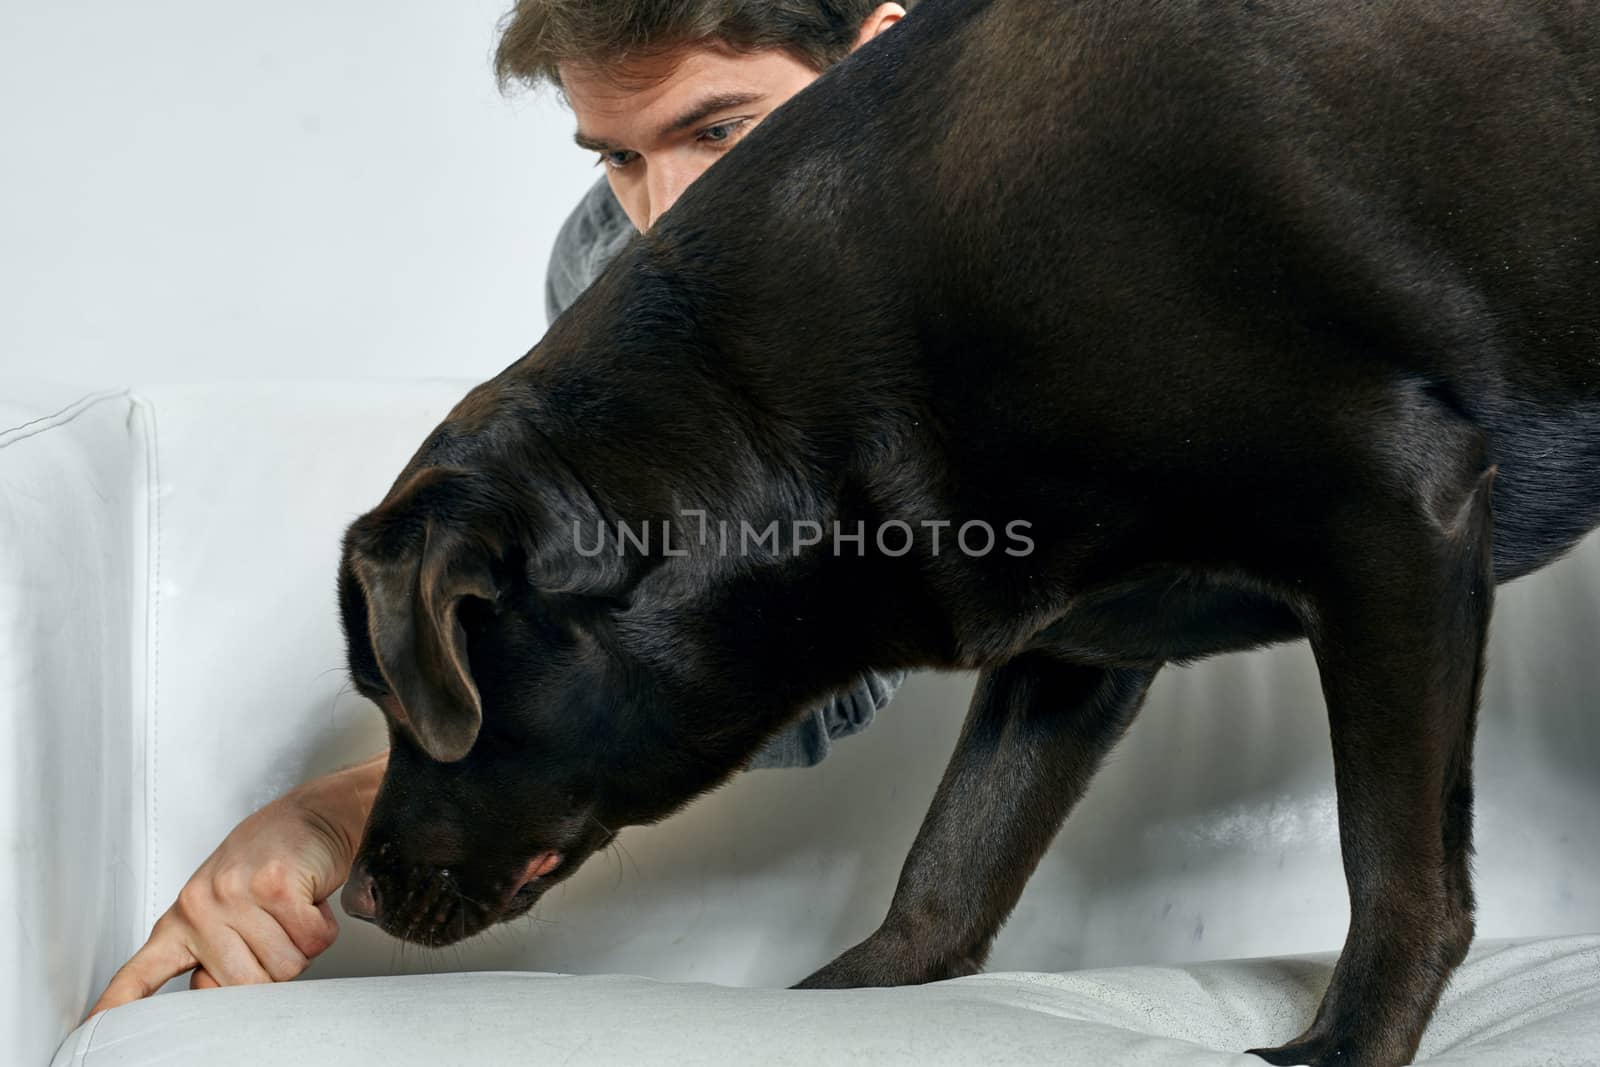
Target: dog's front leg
(1037, 730)
(1400, 648)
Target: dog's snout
(428, 904)
(360, 897)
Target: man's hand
(257, 909)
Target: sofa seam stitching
(83, 404)
(153, 681)
(81, 1053)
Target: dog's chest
(1169, 618)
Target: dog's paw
(885, 959)
(863, 967)
(1307, 1051)
(1343, 1044)
(1289, 1055)
(831, 978)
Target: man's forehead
(627, 76)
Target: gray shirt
(592, 235)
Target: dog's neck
(719, 459)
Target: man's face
(659, 122)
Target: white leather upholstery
(1498, 1012)
(72, 496)
(170, 660)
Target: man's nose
(360, 896)
(666, 183)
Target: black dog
(1222, 315)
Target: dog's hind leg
(1037, 730)
(1399, 635)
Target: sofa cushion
(1510, 1004)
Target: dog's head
(537, 698)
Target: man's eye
(723, 133)
(619, 159)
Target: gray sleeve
(806, 743)
(589, 239)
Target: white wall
(196, 191)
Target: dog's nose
(360, 896)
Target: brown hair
(539, 35)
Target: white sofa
(170, 660)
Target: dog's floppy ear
(415, 569)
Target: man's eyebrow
(710, 106)
(593, 144)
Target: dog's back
(1239, 211)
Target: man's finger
(202, 980)
(311, 927)
(165, 956)
(231, 960)
(269, 944)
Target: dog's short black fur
(1273, 319)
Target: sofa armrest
(73, 508)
